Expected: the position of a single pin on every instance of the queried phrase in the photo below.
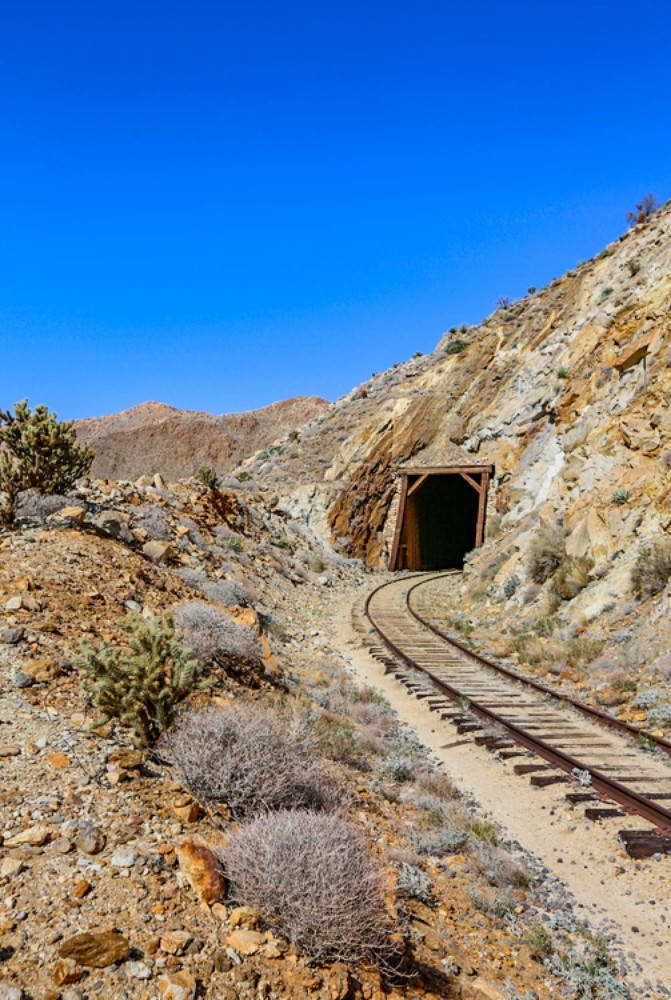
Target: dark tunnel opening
(447, 517)
(441, 517)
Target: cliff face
(153, 437)
(538, 392)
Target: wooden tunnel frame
(412, 481)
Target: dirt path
(629, 899)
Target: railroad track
(556, 738)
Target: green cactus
(142, 684)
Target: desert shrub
(510, 585)
(340, 740)
(484, 831)
(545, 555)
(248, 757)
(572, 576)
(448, 839)
(563, 372)
(539, 941)
(583, 649)
(644, 209)
(235, 543)
(226, 592)
(620, 496)
(412, 882)
(38, 453)
(312, 877)
(652, 571)
(142, 684)
(155, 523)
(499, 868)
(214, 637)
(207, 477)
(660, 716)
(456, 346)
(397, 767)
(433, 782)
(221, 591)
(38, 506)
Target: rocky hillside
(155, 438)
(551, 389)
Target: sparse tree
(38, 453)
(644, 209)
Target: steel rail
(593, 713)
(599, 781)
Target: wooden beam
(476, 486)
(445, 470)
(415, 486)
(399, 525)
(482, 511)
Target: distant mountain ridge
(156, 438)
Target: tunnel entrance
(441, 516)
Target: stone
(34, 836)
(9, 992)
(245, 942)
(201, 869)
(91, 839)
(81, 888)
(9, 867)
(124, 857)
(243, 916)
(58, 760)
(114, 523)
(11, 636)
(186, 809)
(95, 949)
(138, 970)
(173, 942)
(66, 971)
(23, 680)
(14, 603)
(178, 986)
(9, 751)
(480, 989)
(76, 514)
(157, 551)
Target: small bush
(35, 505)
(247, 757)
(545, 556)
(499, 869)
(582, 649)
(155, 522)
(142, 684)
(311, 876)
(620, 496)
(208, 478)
(456, 346)
(572, 576)
(214, 637)
(644, 209)
(413, 883)
(340, 740)
(539, 941)
(563, 372)
(652, 572)
(38, 453)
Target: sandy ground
(630, 899)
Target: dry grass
(214, 637)
(311, 876)
(248, 757)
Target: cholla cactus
(142, 684)
(37, 452)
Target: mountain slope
(153, 437)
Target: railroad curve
(523, 717)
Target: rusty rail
(612, 789)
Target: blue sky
(220, 205)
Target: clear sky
(219, 205)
